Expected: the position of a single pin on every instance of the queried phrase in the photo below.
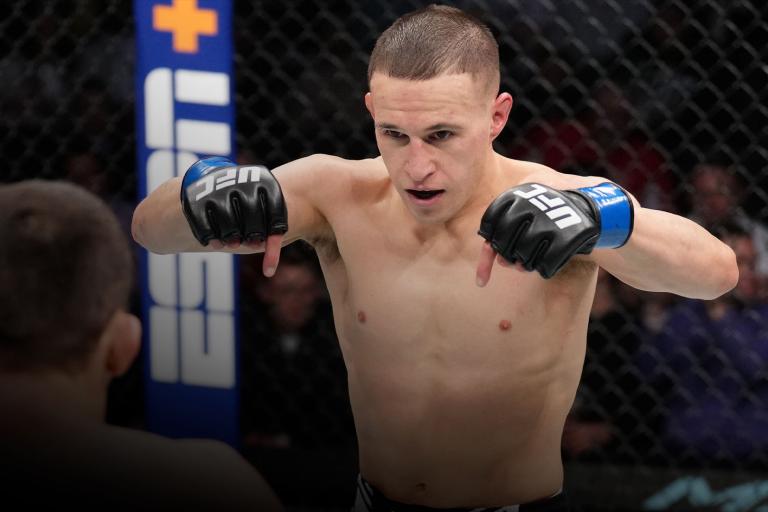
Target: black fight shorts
(370, 499)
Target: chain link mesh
(667, 98)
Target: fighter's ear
(123, 338)
(369, 104)
(500, 109)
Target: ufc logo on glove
(537, 196)
(228, 178)
(519, 224)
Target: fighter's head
(65, 278)
(437, 40)
(434, 81)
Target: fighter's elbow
(139, 227)
(731, 269)
(726, 272)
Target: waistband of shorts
(375, 501)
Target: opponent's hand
(542, 228)
(228, 205)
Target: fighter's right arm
(159, 223)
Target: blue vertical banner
(185, 110)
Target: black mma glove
(543, 228)
(226, 202)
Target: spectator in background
(86, 169)
(31, 65)
(96, 116)
(296, 417)
(715, 195)
(602, 140)
(664, 63)
(614, 408)
(294, 389)
(710, 369)
(65, 276)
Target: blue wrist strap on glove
(203, 167)
(615, 211)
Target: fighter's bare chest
(429, 301)
(408, 288)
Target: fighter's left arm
(665, 252)
(554, 217)
(669, 253)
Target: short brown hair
(435, 40)
(65, 269)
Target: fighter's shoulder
(532, 172)
(318, 166)
(177, 455)
(333, 176)
(226, 476)
(363, 172)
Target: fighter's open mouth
(424, 194)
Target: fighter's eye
(440, 135)
(393, 134)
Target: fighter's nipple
(361, 316)
(505, 324)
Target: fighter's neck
(489, 185)
(53, 394)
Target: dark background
(639, 91)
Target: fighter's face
(435, 139)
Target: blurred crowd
(667, 380)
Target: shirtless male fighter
(459, 383)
